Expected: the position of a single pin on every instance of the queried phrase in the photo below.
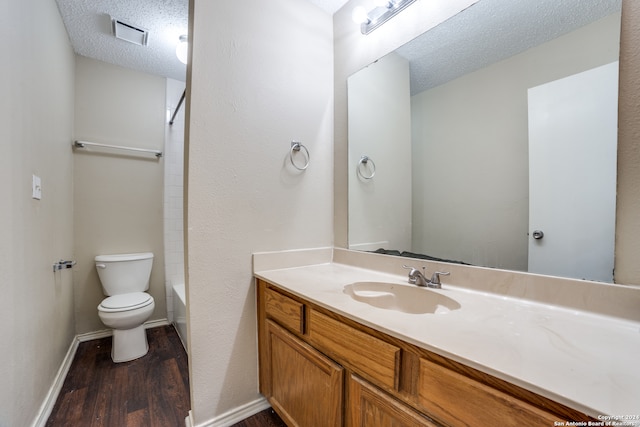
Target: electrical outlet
(36, 188)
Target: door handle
(537, 234)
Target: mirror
(443, 124)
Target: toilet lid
(125, 302)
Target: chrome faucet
(435, 279)
(418, 278)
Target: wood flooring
(152, 391)
(266, 418)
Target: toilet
(125, 278)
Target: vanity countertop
(584, 360)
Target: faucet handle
(413, 269)
(412, 274)
(415, 275)
(435, 278)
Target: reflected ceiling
(500, 29)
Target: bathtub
(180, 313)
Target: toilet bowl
(127, 318)
(124, 279)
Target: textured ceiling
(88, 24)
(486, 32)
(493, 30)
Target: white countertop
(587, 361)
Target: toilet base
(129, 344)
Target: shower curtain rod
(82, 144)
(178, 107)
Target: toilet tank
(124, 273)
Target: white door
(573, 126)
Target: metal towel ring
(363, 161)
(296, 146)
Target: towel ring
(296, 146)
(363, 161)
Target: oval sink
(406, 299)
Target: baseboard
(188, 421)
(156, 323)
(103, 333)
(108, 332)
(232, 417)
(54, 391)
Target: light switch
(36, 188)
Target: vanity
(343, 340)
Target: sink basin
(403, 298)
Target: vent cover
(130, 33)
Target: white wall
(471, 198)
(380, 128)
(261, 76)
(173, 193)
(36, 121)
(118, 195)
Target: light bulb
(182, 50)
(359, 15)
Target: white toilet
(124, 279)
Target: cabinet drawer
(366, 354)
(460, 401)
(286, 311)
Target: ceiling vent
(128, 32)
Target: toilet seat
(125, 302)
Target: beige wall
(353, 52)
(627, 266)
(118, 196)
(380, 127)
(261, 76)
(471, 134)
(36, 121)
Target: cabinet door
(306, 387)
(370, 407)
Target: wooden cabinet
(318, 368)
(305, 386)
(284, 310)
(372, 357)
(458, 400)
(368, 406)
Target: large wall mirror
(491, 140)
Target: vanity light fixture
(384, 10)
(182, 50)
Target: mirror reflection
(497, 123)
